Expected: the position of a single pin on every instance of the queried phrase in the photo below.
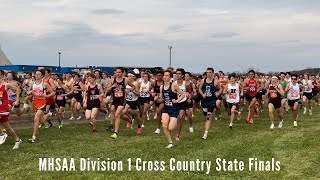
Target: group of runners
(169, 96)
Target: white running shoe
(157, 131)
(191, 129)
(50, 113)
(304, 110)
(79, 118)
(17, 144)
(310, 112)
(169, 146)
(272, 126)
(155, 116)
(280, 124)
(148, 118)
(3, 138)
(142, 125)
(205, 136)
(239, 116)
(26, 106)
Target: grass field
(296, 148)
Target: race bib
(75, 92)
(232, 96)
(93, 97)
(144, 89)
(252, 88)
(118, 93)
(274, 95)
(59, 97)
(129, 97)
(294, 94)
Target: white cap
(136, 71)
(274, 77)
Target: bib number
(118, 93)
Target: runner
(40, 91)
(191, 93)
(251, 85)
(169, 95)
(293, 90)
(284, 100)
(131, 107)
(159, 106)
(233, 92)
(91, 102)
(180, 73)
(307, 94)
(118, 87)
(145, 87)
(25, 86)
(5, 111)
(77, 97)
(13, 94)
(275, 92)
(50, 100)
(60, 99)
(209, 90)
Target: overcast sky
(229, 35)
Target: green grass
(296, 148)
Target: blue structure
(57, 70)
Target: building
(3, 58)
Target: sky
(228, 35)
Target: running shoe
(280, 124)
(72, 118)
(139, 130)
(31, 140)
(251, 121)
(295, 124)
(205, 136)
(48, 126)
(79, 118)
(272, 126)
(169, 146)
(3, 138)
(114, 136)
(17, 144)
(191, 129)
(157, 131)
(230, 125)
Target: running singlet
(131, 96)
(144, 89)
(12, 93)
(274, 95)
(252, 88)
(50, 100)
(59, 92)
(183, 88)
(168, 96)
(306, 84)
(294, 93)
(284, 85)
(119, 91)
(39, 101)
(4, 107)
(157, 88)
(92, 95)
(209, 90)
(77, 94)
(233, 93)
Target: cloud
(224, 35)
(107, 11)
(175, 28)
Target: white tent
(3, 59)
